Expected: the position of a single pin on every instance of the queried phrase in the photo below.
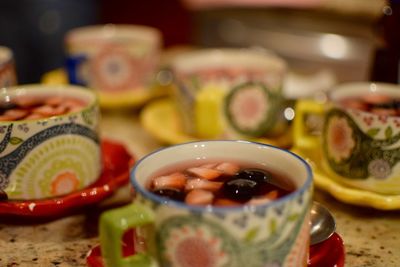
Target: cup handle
(208, 121)
(301, 137)
(113, 224)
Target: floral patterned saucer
(329, 253)
(109, 100)
(347, 194)
(161, 119)
(116, 164)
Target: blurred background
(342, 36)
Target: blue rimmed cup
(113, 59)
(172, 233)
(49, 141)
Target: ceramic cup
(181, 235)
(116, 60)
(49, 143)
(230, 93)
(359, 140)
(7, 68)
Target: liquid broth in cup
(49, 142)
(220, 183)
(33, 108)
(265, 225)
(360, 136)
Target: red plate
(116, 164)
(329, 253)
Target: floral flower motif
(64, 183)
(379, 168)
(114, 69)
(249, 107)
(194, 247)
(340, 141)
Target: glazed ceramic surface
(359, 148)
(162, 120)
(342, 192)
(52, 156)
(113, 59)
(116, 163)
(273, 234)
(7, 68)
(229, 92)
(329, 253)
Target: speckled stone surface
(64, 242)
(371, 237)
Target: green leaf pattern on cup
(15, 140)
(355, 154)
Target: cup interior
(226, 58)
(357, 90)
(11, 95)
(272, 158)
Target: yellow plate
(348, 194)
(161, 119)
(110, 100)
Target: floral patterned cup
(171, 233)
(48, 155)
(230, 93)
(359, 146)
(117, 60)
(7, 68)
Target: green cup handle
(113, 224)
(301, 139)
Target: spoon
(322, 224)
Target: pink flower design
(340, 141)
(194, 247)
(114, 69)
(249, 107)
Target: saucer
(329, 253)
(162, 120)
(116, 164)
(109, 100)
(347, 194)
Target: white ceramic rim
(122, 32)
(354, 89)
(6, 55)
(139, 185)
(227, 57)
(72, 91)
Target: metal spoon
(322, 224)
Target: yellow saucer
(162, 120)
(347, 194)
(109, 100)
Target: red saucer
(116, 164)
(329, 253)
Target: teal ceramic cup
(172, 233)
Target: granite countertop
(370, 236)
